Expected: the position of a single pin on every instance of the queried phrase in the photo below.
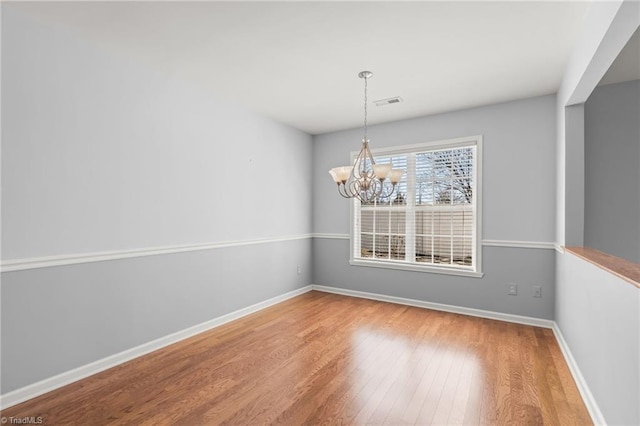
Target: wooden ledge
(625, 269)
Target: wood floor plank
(362, 355)
(327, 359)
(490, 408)
(437, 354)
(376, 410)
(424, 356)
(444, 381)
(391, 403)
(472, 411)
(363, 398)
(465, 382)
(571, 392)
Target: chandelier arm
(356, 173)
(342, 191)
(361, 192)
(353, 189)
(360, 168)
(376, 189)
(391, 190)
(367, 192)
(367, 153)
(360, 164)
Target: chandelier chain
(365, 107)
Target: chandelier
(365, 180)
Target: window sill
(415, 268)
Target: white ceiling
(297, 62)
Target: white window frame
(476, 269)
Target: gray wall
(101, 153)
(518, 205)
(574, 175)
(612, 170)
(59, 318)
(599, 316)
(525, 266)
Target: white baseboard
(581, 383)
(538, 322)
(31, 391)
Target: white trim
(519, 244)
(408, 266)
(477, 200)
(331, 236)
(47, 385)
(488, 243)
(72, 259)
(518, 319)
(11, 265)
(433, 145)
(581, 383)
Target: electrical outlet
(299, 270)
(537, 291)
(512, 289)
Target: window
(432, 222)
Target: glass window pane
(424, 249)
(366, 245)
(424, 223)
(462, 251)
(459, 219)
(382, 222)
(442, 250)
(462, 191)
(397, 222)
(397, 247)
(382, 246)
(441, 222)
(366, 221)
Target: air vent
(388, 101)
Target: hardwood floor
(327, 359)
